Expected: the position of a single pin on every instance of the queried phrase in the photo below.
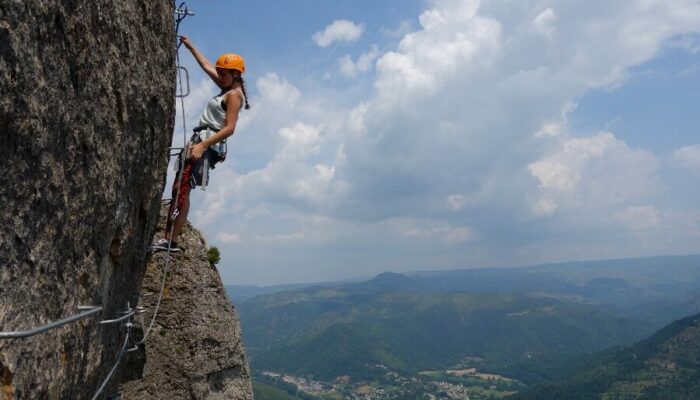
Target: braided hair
(239, 79)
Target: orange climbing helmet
(231, 61)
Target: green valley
(477, 334)
(313, 334)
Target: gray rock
(86, 116)
(195, 349)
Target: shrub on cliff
(213, 255)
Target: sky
(444, 134)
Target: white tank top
(214, 116)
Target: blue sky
(439, 134)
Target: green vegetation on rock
(213, 255)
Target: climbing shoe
(162, 245)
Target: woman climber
(208, 144)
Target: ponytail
(239, 79)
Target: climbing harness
(218, 156)
(194, 173)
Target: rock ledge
(195, 350)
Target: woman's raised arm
(203, 61)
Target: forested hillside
(664, 366)
(326, 333)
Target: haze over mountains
(536, 324)
(655, 289)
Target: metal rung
(187, 80)
(128, 314)
(184, 12)
(87, 311)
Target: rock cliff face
(86, 114)
(195, 349)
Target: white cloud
(543, 23)
(215, 196)
(549, 129)
(300, 140)
(472, 105)
(274, 90)
(228, 238)
(356, 120)
(290, 177)
(350, 68)
(453, 40)
(250, 237)
(688, 156)
(400, 31)
(281, 238)
(591, 172)
(340, 30)
(556, 127)
(555, 175)
(544, 206)
(274, 103)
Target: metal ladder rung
(187, 81)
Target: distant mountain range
(653, 289)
